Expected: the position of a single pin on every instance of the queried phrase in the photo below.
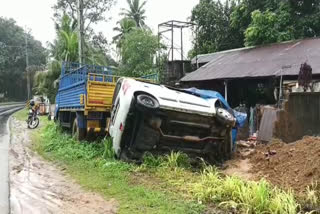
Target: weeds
(152, 161)
(227, 191)
(21, 115)
(177, 159)
(312, 198)
(92, 164)
(283, 202)
(173, 160)
(108, 149)
(247, 196)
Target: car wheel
(146, 102)
(225, 117)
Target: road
(5, 112)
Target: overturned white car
(155, 118)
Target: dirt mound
(294, 165)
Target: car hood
(180, 101)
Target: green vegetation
(126, 25)
(136, 12)
(113, 179)
(224, 25)
(21, 115)
(13, 77)
(268, 27)
(228, 193)
(136, 45)
(65, 46)
(247, 196)
(162, 184)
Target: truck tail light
(121, 127)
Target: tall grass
(177, 159)
(312, 197)
(67, 148)
(245, 196)
(92, 165)
(206, 187)
(173, 160)
(108, 149)
(226, 191)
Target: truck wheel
(227, 147)
(77, 133)
(146, 102)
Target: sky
(36, 15)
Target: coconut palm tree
(69, 46)
(65, 47)
(126, 25)
(136, 12)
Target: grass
(162, 184)
(21, 115)
(86, 163)
(226, 192)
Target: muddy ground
(37, 186)
(290, 166)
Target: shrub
(247, 196)
(177, 159)
(152, 161)
(108, 149)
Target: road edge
(10, 138)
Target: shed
(254, 66)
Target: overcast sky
(37, 16)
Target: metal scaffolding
(169, 26)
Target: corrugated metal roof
(205, 58)
(262, 61)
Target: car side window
(116, 91)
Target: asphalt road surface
(5, 112)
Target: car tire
(225, 117)
(146, 102)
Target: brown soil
(240, 165)
(294, 165)
(37, 186)
(239, 168)
(287, 127)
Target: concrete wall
(300, 117)
(175, 71)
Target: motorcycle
(33, 120)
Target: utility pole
(80, 29)
(27, 65)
